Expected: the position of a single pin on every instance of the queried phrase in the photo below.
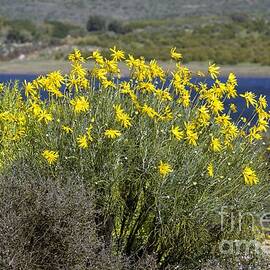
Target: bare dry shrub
(47, 225)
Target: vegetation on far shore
(226, 40)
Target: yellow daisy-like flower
(67, 129)
(178, 134)
(191, 134)
(46, 116)
(262, 102)
(184, 98)
(175, 55)
(96, 55)
(233, 108)
(76, 56)
(250, 98)
(50, 156)
(1, 87)
(82, 141)
(122, 117)
(213, 71)
(210, 169)
(216, 106)
(117, 54)
(216, 145)
(164, 168)
(232, 79)
(254, 134)
(80, 104)
(204, 116)
(250, 176)
(112, 133)
(29, 89)
(149, 111)
(89, 133)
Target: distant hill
(77, 11)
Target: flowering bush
(162, 157)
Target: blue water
(259, 85)
(19, 77)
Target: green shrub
(96, 23)
(61, 30)
(18, 36)
(118, 27)
(140, 210)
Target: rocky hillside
(77, 11)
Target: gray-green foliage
(177, 218)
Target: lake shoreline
(45, 66)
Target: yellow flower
(149, 111)
(163, 95)
(50, 156)
(250, 176)
(44, 115)
(112, 133)
(97, 57)
(213, 71)
(175, 55)
(254, 134)
(179, 135)
(164, 168)
(1, 87)
(117, 54)
(231, 86)
(67, 129)
(230, 131)
(184, 98)
(250, 98)
(232, 79)
(108, 84)
(82, 141)
(78, 70)
(112, 67)
(122, 117)
(73, 82)
(191, 134)
(223, 120)
(29, 89)
(262, 102)
(167, 114)
(216, 145)
(76, 56)
(231, 91)
(80, 104)
(156, 70)
(203, 116)
(262, 125)
(132, 62)
(233, 108)
(56, 78)
(89, 133)
(210, 169)
(99, 73)
(147, 87)
(216, 106)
